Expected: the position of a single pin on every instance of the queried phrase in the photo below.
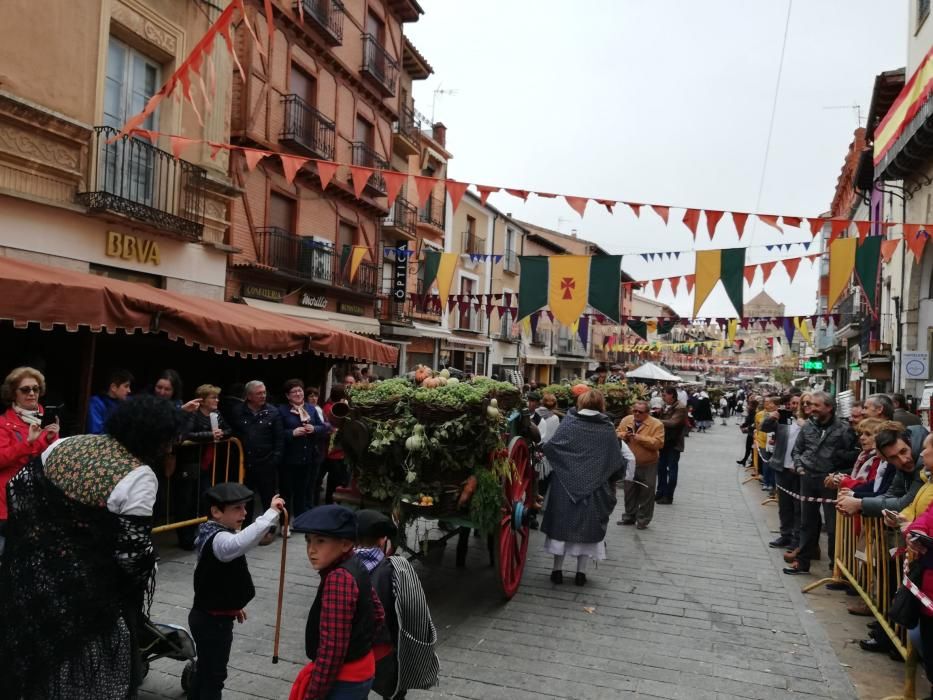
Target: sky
(659, 102)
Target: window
(281, 212)
(130, 81)
(923, 11)
(365, 132)
(116, 273)
(466, 312)
(302, 84)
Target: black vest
(382, 582)
(363, 627)
(220, 586)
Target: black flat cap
(372, 523)
(227, 493)
(332, 520)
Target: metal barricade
(198, 466)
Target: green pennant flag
(867, 266)
(532, 284)
(431, 263)
(639, 327)
(732, 274)
(344, 257)
(605, 280)
(665, 327)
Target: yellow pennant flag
(357, 253)
(801, 325)
(841, 264)
(568, 286)
(445, 275)
(708, 271)
(733, 326)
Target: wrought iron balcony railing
(134, 178)
(571, 346)
(365, 155)
(407, 311)
(432, 213)
(408, 124)
(309, 260)
(510, 261)
(327, 16)
(471, 243)
(307, 128)
(379, 65)
(403, 217)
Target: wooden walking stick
(278, 609)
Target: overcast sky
(659, 102)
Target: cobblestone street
(693, 607)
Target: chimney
(573, 233)
(439, 134)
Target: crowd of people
(875, 463)
(78, 559)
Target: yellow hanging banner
(708, 272)
(568, 286)
(357, 253)
(445, 275)
(841, 264)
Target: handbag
(906, 607)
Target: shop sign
(255, 291)
(400, 281)
(345, 308)
(318, 302)
(915, 365)
(129, 247)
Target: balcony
(407, 132)
(507, 331)
(133, 178)
(402, 218)
(363, 154)
(540, 339)
(326, 16)
(470, 320)
(407, 311)
(571, 346)
(510, 262)
(432, 214)
(306, 129)
(378, 65)
(471, 243)
(311, 261)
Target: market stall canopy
(51, 296)
(651, 371)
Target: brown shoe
(859, 608)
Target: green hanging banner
(732, 274)
(532, 284)
(432, 261)
(867, 267)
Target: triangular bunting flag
(888, 248)
(750, 274)
(325, 171)
(770, 220)
(636, 208)
(863, 229)
(791, 265)
(794, 221)
(712, 221)
(916, 237)
(253, 157)
(816, 225)
(179, 144)
(689, 280)
(291, 165)
(608, 203)
(661, 211)
(766, 269)
(455, 190)
(485, 191)
(675, 283)
(425, 186)
(739, 219)
(521, 194)
(360, 177)
(578, 204)
(836, 228)
(691, 219)
(656, 285)
(394, 181)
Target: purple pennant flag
(451, 303)
(534, 321)
(550, 316)
(583, 329)
(789, 329)
(644, 256)
(507, 296)
(806, 245)
(497, 259)
(835, 318)
(769, 247)
(489, 306)
(676, 256)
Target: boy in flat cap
(403, 661)
(222, 582)
(346, 615)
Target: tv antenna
(856, 109)
(439, 90)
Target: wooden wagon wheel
(518, 499)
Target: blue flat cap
(227, 493)
(372, 523)
(332, 520)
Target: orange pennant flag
(863, 228)
(425, 186)
(455, 190)
(485, 191)
(794, 221)
(360, 177)
(690, 279)
(915, 237)
(791, 265)
(578, 204)
(739, 219)
(656, 284)
(712, 221)
(636, 208)
(691, 219)
(521, 194)
(836, 228)
(325, 171)
(661, 211)
(888, 248)
(291, 165)
(253, 157)
(151, 136)
(215, 149)
(394, 182)
(766, 269)
(750, 274)
(815, 225)
(608, 203)
(771, 220)
(675, 283)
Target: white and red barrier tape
(807, 499)
(912, 587)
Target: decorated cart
(431, 448)
(619, 396)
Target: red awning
(51, 296)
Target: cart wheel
(187, 676)
(513, 532)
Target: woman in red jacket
(22, 436)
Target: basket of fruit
(420, 505)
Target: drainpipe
(492, 247)
(898, 303)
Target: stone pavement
(694, 607)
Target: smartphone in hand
(920, 537)
(50, 415)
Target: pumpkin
(430, 383)
(421, 373)
(579, 389)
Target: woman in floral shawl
(585, 458)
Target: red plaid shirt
(338, 605)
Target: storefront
(465, 354)
(537, 365)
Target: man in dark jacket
(259, 426)
(674, 418)
(783, 423)
(901, 414)
(826, 444)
